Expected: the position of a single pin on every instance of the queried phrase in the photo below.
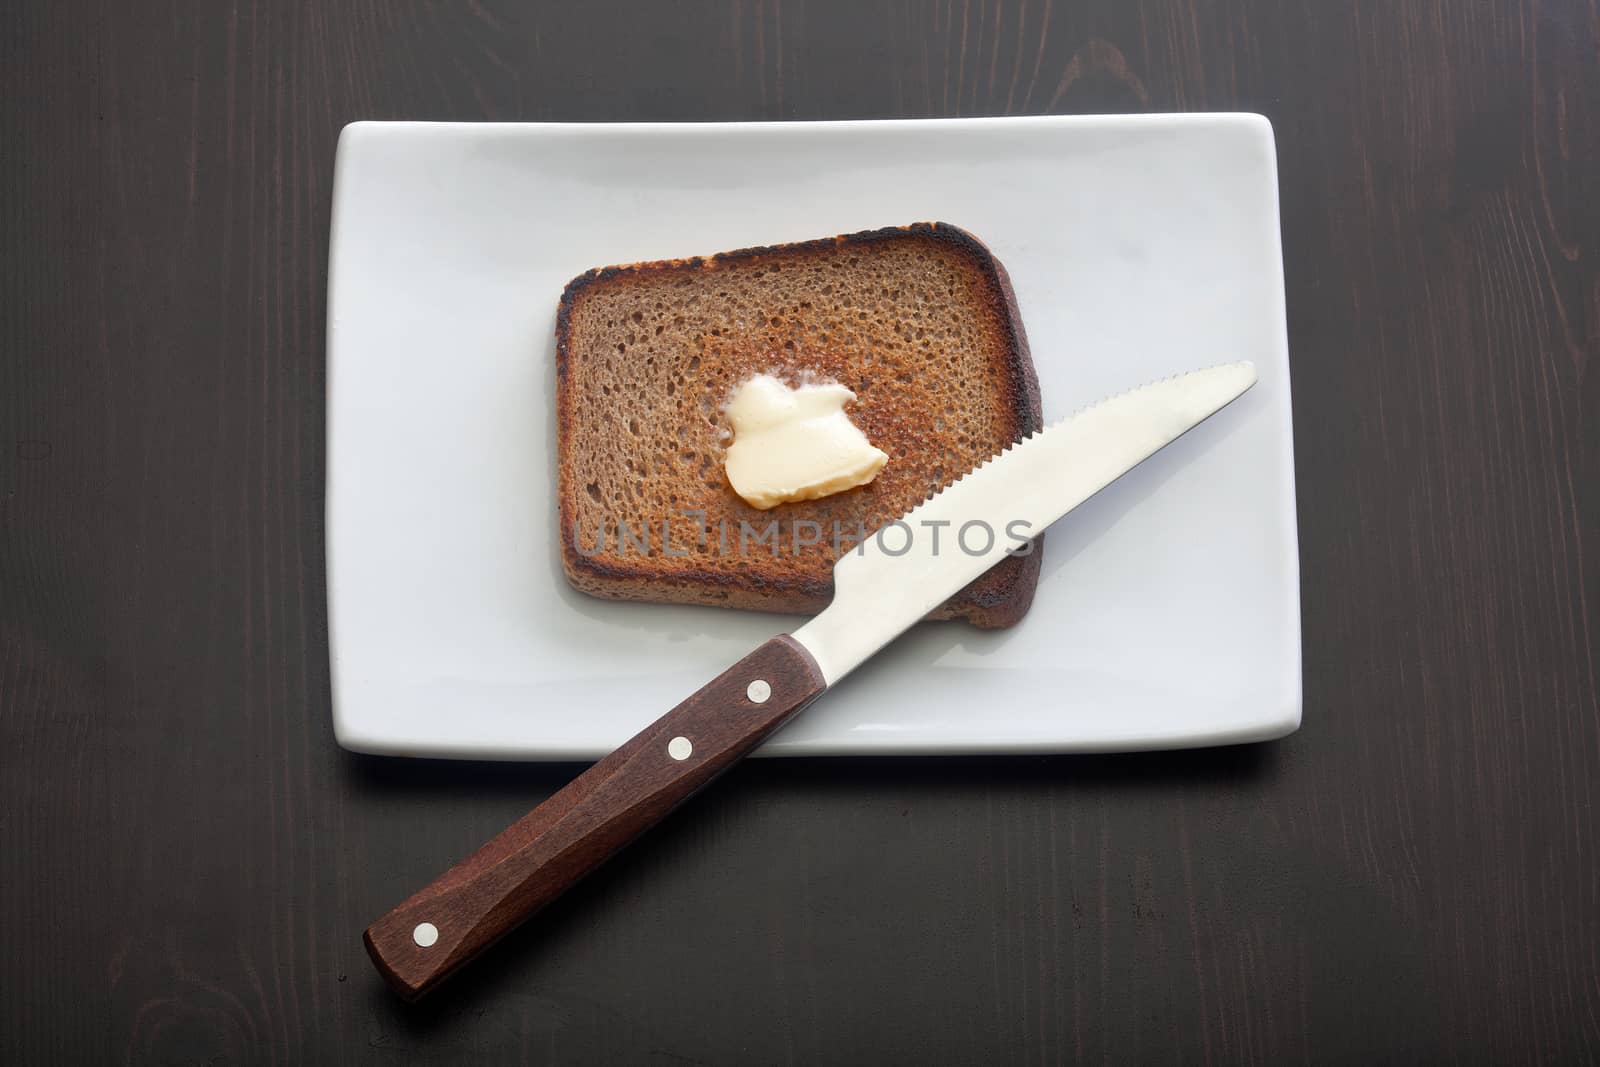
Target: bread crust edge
(997, 599)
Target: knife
(881, 588)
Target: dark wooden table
(187, 860)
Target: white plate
(1168, 613)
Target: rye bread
(919, 321)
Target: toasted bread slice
(920, 322)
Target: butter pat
(795, 444)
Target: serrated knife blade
(896, 577)
(903, 571)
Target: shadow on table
(1235, 764)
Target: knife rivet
(679, 748)
(759, 691)
(425, 935)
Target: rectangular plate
(1168, 613)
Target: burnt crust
(998, 598)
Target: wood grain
(186, 858)
(530, 863)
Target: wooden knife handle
(533, 861)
